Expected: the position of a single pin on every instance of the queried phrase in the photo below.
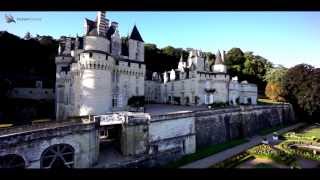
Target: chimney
(101, 23)
(114, 25)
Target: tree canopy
(247, 66)
(275, 78)
(301, 86)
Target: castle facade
(99, 72)
(196, 82)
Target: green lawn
(270, 130)
(268, 101)
(205, 152)
(312, 132)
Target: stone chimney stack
(101, 23)
(114, 25)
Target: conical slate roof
(218, 58)
(135, 35)
(181, 58)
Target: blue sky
(286, 38)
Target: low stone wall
(218, 126)
(31, 142)
(152, 160)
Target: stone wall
(218, 126)
(172, 131)
(30, 142)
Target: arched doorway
(58, 156)
(12, 161)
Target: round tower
(95, 92)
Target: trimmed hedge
(233, 161)
(266, 151)
(302, 152)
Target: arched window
(58, 156)
(12, 161)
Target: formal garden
(296, 149)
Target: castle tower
(136, 45)
(95, 82)
(219, 67)
(115, 40)
(181, 64)
(62, 61)
(195, 58)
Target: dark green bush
(136, 101)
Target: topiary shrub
(136, 101)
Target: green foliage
(205, 152)
(247, 66)
(270, 130)
(312, 134)
(276, 75)
(218, 104)
(301, 87)
(275, 81)
(234, 61)
(268, 101)
(136, 101)
(291, 147)
(160, 60)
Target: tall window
(114, 101)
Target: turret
(181, 64)
(219, 67)
(195, 57)
(136, 45)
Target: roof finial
(181, 57)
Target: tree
(301, 87)
(27, 36)
(254, 70)
(234, 60)
(274, 78)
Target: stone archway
(12, 161)
(58, 156)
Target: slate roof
(80, 43)
(90, 24)
(218, 58)
(110, 31)
(93, 32)
(135, 35)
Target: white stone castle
(99, 72)
(195, 82)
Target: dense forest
(27, 59)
